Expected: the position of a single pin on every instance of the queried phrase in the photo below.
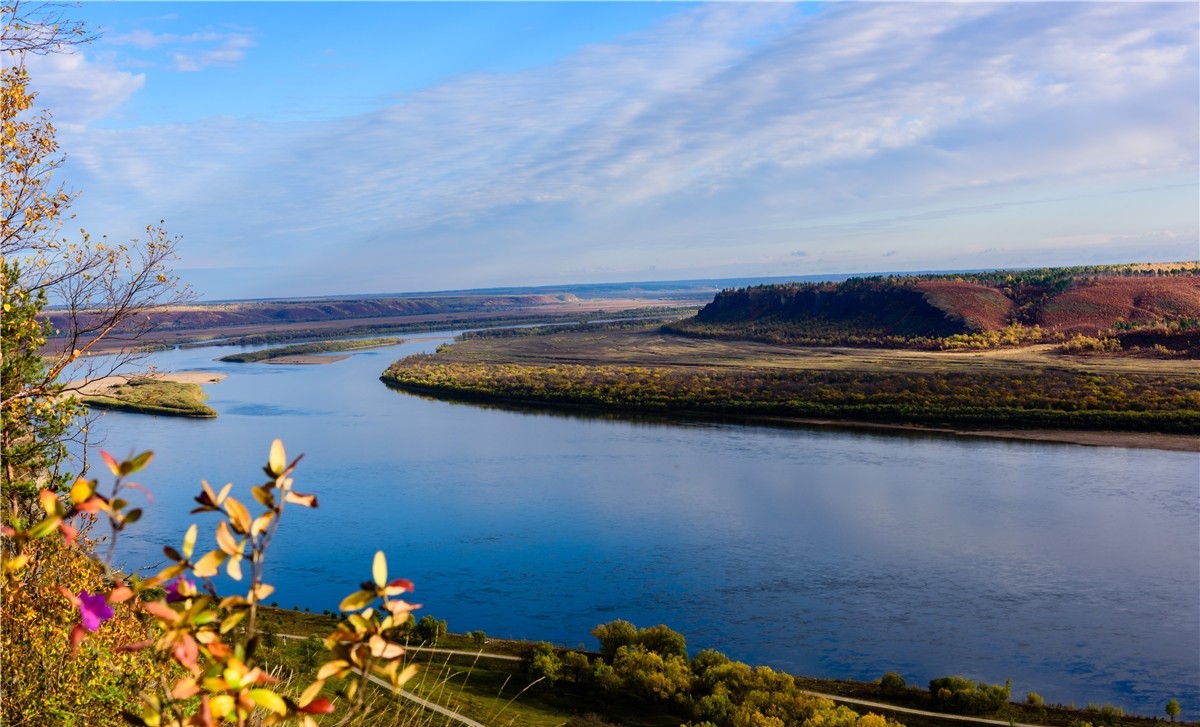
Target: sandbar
(96, 387)
(306, 358)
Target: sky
(308, 148)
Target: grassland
(308, 349)
(650, 371)
(497, 692)
(152, 396)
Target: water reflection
(1073, 570)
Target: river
(1074, 571)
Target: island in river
(1089, 355)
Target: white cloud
(193, 51)
(79, 91)
(730, 124)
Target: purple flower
(179, 589)
(94, 610)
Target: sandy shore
(97, 386)
(1132, 440)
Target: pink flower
(94, 610)
(180, 589)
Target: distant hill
(315, 310)
(1136, 305)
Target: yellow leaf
(336, 667)
(239, 516)
(261, 591)
(409, 672)
(278, 458)
(265, 497)
(232, 620)
(299, 498)
(260, 523)
(234, 568)
(221, 705)
(379, 569)
(208, 566)
(310, 693)
(189, 541)
(225, 539)
(81, 490)
(356, 601)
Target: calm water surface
(1073, 570)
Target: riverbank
(499, 670)
(166, 394)
(1032, 393)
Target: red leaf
(78, 634)
(319, 705)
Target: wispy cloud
(193, 51)
(749, 126)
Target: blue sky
(336, 148)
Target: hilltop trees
(98, 290)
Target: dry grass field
(650, 347)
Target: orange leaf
(112, 463)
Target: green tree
(1173, 709)
(544, 663)
(430, 630)
(662, 640)
(613, 636)
(651, 675)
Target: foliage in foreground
(201, 647)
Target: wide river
(1074, 571)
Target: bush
(478, 638)
(544, 663)
(43, 683)
(963, 696)
(429, 630)
(1034, 699)
(892, 684)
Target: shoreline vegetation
(178, 394)
(310, 352)
(488, 679)
(1032, 392)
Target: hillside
(1135, 306)
(214, 315)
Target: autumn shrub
(963, 696)
(84, 645)
(44, 682)
(1081, 344)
